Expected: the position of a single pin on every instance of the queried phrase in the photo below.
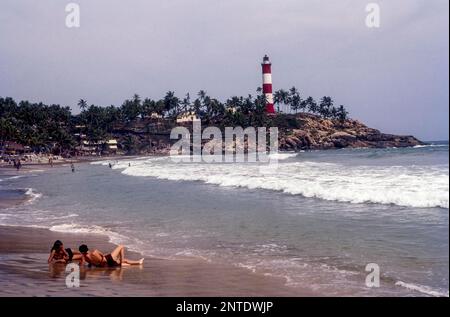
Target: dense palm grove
(49, 127)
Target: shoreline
(78, 160)
(25, 272)
(23, 263)
(28, 166)
(205, 278)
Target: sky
(394, 78)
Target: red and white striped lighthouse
(267, 84)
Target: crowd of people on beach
(16, 161)
(20, 159)
(95, 258)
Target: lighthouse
(267, 84)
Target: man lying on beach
(114, 259)
(60, 255)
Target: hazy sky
(394, 78)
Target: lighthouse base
(270, 109)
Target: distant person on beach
(114, 259)
(60, 255)
(18, 164)
(72, 167)
(110, 166)
(50, 161)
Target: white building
(111, 145)
(187, 117)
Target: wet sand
(6, 202)
(25, 272)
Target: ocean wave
(123, 161)
(26, 175)
(16, 177)
(113, 237)
(413, 186)
(429, 145)
(297, 272)
(33, 195)
(54, 217)
(423, 289)
(192, 253)
(280, 156)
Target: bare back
(94, 258)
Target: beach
(227, 230)
(25, 272)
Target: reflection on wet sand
(58, 270)
(25, 272)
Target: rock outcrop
(296, 132)
(315, 133)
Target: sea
(349, 222)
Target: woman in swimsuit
(60, 255)
(113, 259)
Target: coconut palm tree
(295, 101)
(311, 105)
(186, 103)
(82, 104)
(325, 107)
(281, 97)
(341, 113)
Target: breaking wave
(33, 195)
(413, 186)
(423, 289)
(114, 237)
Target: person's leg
(130, 262)
(118, 254)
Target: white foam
(423, 289)
(249, 267)
(100, 163)
(48, 218)
(17, 177)
(429, 145)
(76, 228)
(113, 237)
(33, 195)
(414, 186)
(192, 253)
(280, 156)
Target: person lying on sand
(114, 259)
(60, 255)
